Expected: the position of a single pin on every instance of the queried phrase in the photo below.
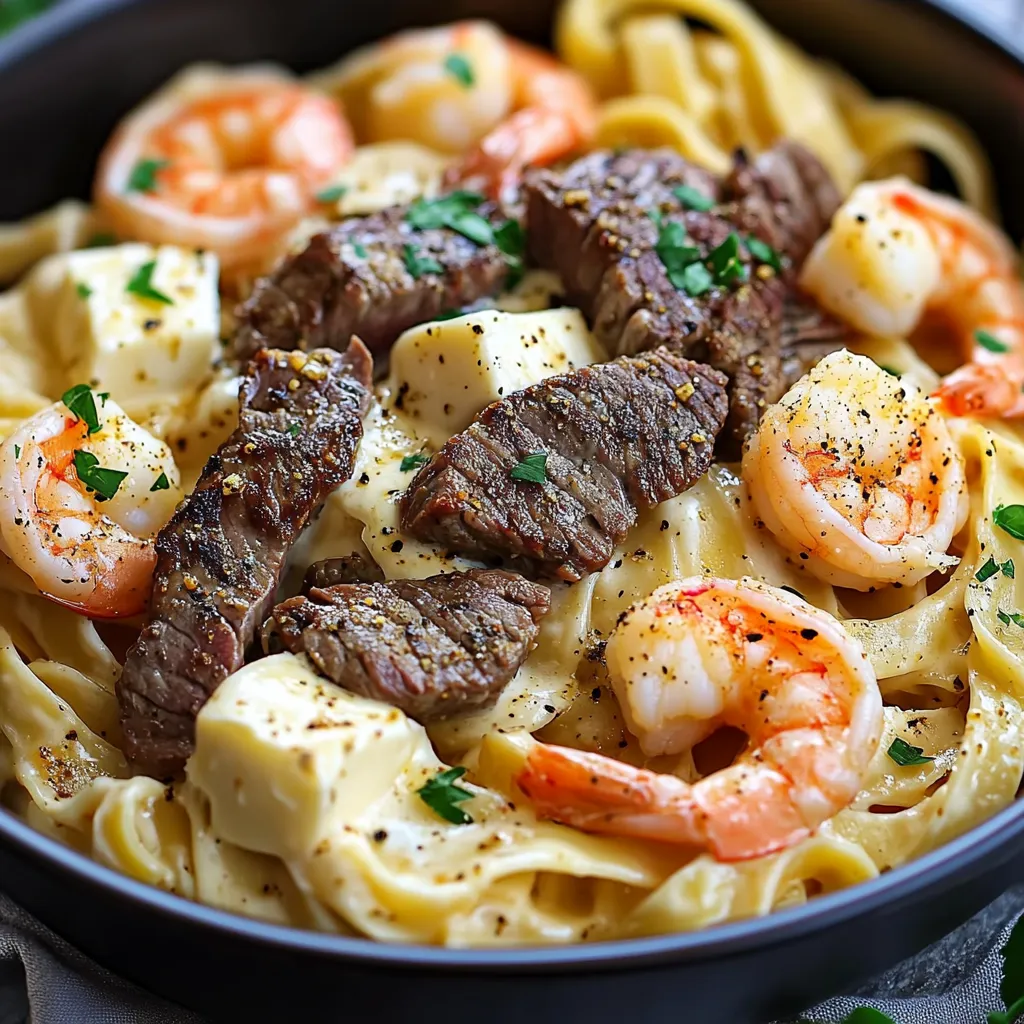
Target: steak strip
(431, 647)
(220, 558)
(617, 437)
(356, 279)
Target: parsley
(143, 175)
(905, 755)
(1011, 988)
(456, 211)
(696, 279)
(104, 482)
(990, 342)
(674, 252)
(84, 291)
(294, 429)
(141, 285)
(419, 265)
(17, 451)
(868, 1015)
(443, 796)
(1007, 617)
(80, 401)
(511, 241)
(332, 194)
(14, 12)
(987, 571)
(692, 198)
(412, 461)
(161, 483)
(725, 261)
(889, 370)
(1007, 568)
(763, 252)
(449, 314)
(533, 469)
(100, 240)
(1011, 519)
(460, 69)
(360, 251)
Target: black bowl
(64, 81)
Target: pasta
(303, 802)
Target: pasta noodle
(331, 832)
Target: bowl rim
(956, 857)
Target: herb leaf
(104, 482)
(696, 279)
(764, 252)
(906, 755)
(450, 314)
(80, 401)
(443, 796)
(101, 240)
(460, 69)
(889, 370)
(987, 571)
(990, 342)
(693, 199)
(84, 291)
(1008, 569)
(457, 211)
(294, 429)
(1007, 617)
(511, 241)
(725, 261)
(143, 175)
(868, 1015)
(360, 251)
(14, 12)
(675, 253)
(161, 483)
(418, 265)
(332, 194)
(1011, 988)
(412, 461)
(533, 469)
(141, 285)
(1011, 519)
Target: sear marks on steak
(431, 647)
(355, 279)
(219, 559)
(618, 437)
(594, 224)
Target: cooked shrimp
(554, 113)
(222, 160)
(856, 472)
(699, 654)
(82, 549)
(896, 251)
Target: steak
(346, 569)
(356, 279)
(598, 223)
(431, 647)
(551, 478)
(220, 558)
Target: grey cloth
(45, 981)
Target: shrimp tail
(980, 389)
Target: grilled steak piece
(618, 437)
(220, 557)
(356, 279)
(594, 223)
(431, 647)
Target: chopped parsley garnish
(692, 198)
(332, 194)
(17, 451)
(84, 291)
(906, 755)
(725, 261)
(675, 253)
(101, 240)
(294, 429)
(161, 483)
(763, 252)
(443, 796)
(868, 1015)
(987, 571)
(460, 69)
(533, 469)
(990, 342)
(457, 211)
(418, 265)
(1007, 568)
(1011, 519)
(696, 279)
(890, 370)
(1007, 617)
(412, 461)
(511, 241)
(80, 401)
(104, 482)
(14, 12)
(360, 251)
(143, 175)
(141, 285)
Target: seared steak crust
(220, 557)
(355, 279)
(597, 224)
(618, 437)
(431, 647)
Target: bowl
(65, 79)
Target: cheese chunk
(286, 758)
(444, 373)
(139, 349)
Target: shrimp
(82, 549)
(219, 160)
(698, 654)
(896, 251)
(855, 471)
